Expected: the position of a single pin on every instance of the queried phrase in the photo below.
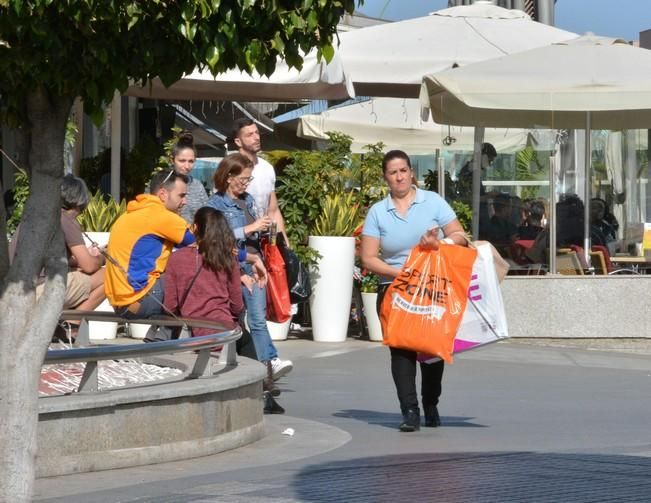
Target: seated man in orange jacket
(141, 242)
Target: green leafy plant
(431, 182)
(339, 216)
(309, 177)
(21, 193)
(464, 215)
(101, 213)
(369, 283)
(528, 167)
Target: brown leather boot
(268, 383)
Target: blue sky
(614, 18)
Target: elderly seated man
(85, 281)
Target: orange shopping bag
(279, 306)
(424, 305)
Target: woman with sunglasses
(231, 179)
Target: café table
(638, 264)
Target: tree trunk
(27, 324)
(4, 255)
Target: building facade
(539, 10)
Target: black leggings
(403, 370)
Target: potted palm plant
(332, 279)
(98, 218)
(96, 222)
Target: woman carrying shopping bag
(231, 180)
(407, 217)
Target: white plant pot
(279, 331)
(332, 287)
(372, 319)
(138, 330)
(101, 238)
(103, 330)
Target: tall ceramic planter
(372, 319)
(332, 287)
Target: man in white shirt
(263, 189)
(246, 137)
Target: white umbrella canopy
(551, 86)
(586, 83)
(316, 80)
(397, 123)
(389, 60)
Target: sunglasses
(169, 175)
(244, 179)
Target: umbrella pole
(586, 188)
(441, 173)
(476, 181)
(551, 224)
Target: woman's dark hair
(215, 239)
(74, 193)
(394, 154)
(231, 165)
(536, 211)
(184, 141)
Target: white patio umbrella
(556, 86)
(589, 82)
(390, 59)
(316, 80)
(396, 122)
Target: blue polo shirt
(399, 234)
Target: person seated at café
(501, 231)
(518, 211)
(603, 229)
(570, 230)
(532, 225)
(465, 179)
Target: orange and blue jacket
(141, 241)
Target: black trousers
(403, 370)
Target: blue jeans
(150, 305)
(256, 318)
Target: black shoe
(65, 333)
(432, 418)
(270, 404)
(410, 421)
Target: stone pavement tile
(520, 424)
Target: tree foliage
(90, 48)
(53, 51)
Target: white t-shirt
(262, 185)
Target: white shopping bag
(484, 320)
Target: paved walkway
(521, 422)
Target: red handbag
(279, 306)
